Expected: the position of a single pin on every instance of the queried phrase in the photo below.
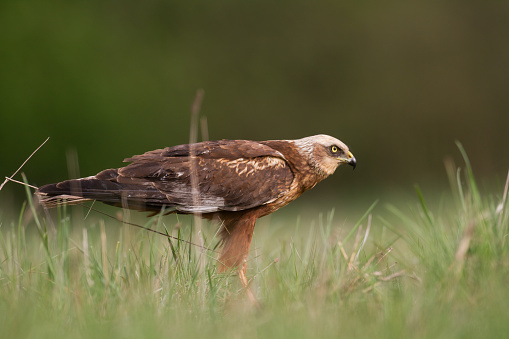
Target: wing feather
(231, 175)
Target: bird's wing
(229, 175)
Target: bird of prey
(232, 181)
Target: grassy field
(422, 273)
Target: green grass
(426, 273)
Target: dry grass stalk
(23, 164)
(104, 254)
(86, 260)
(357, 276)
(502, 204)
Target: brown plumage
(232, 181)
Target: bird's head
(325, 153)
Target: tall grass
(432, 273)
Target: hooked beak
(351, 160)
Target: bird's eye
(334, 149)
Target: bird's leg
(236, 235)
(245, 283)
(236, 238)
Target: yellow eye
(334, 149)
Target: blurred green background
(398, 81)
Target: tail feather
(76, 191)
(102, 187)
(49, 201)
